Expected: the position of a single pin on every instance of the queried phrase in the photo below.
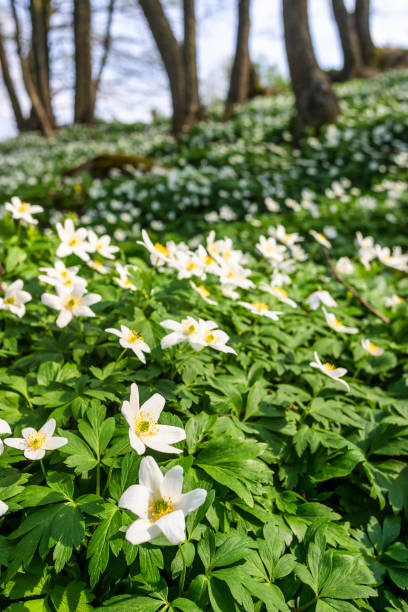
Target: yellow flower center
(64, 274)
(96, 264)
(127, 283)
(288, 235)
(134, 336)
(214, 249)
(321, 235)
(144, 424)
(159, 506)
(210, 338)
(372, 346)
(72, 302)
(260, 306)
(188, 328)
(231, 274)
(68, 282)
(227, 253)
(162, 249)
(270, 248)
(203, 290)
(329, 366)
(78, 188)
(24, 207)
(339, 323)
(399, 299)
(36, 439)
(73, 242)
(281, 291)
(10, 300)
(191, 265)
(209, 260)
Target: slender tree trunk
(353, 61)
(241, 68)
(316, 102)
(171, 54)
(107, 41)
(83, 65)
(40, 17)
(362, 24)
(26, 64)
(8, 82)
(192, 101)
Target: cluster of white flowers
(368, 251)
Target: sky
(142, 85)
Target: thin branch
(107, 41)
(352, 290)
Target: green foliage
(307, 484)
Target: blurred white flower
(371, 348)
(132, 339)
(101, 245)
(15, 298)
(330, 370)
(259, 308)
(23, 211)
(338, 325)
(318, 297)
(71, 303)
(34, 443)
(344, 266)
(73, 241)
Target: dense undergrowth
(295, 419)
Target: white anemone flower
(394, 300)
(101, 245)
(4, 429)
(259, 308)
(123, 280)
(371, 348)
(204, 293)
(23, 210)
(320, 238)
(198, 334)
(159, 254)
(71, 303)
(61, 275)
(34, 443)
(3, 508)
(338, 325)
(159, 503)
(278, 293)
(15, 298)
(73, 241)
(318, 297)
(272, 251)
(345, 266)
(330, 370)
(143, 427)
(97, 265)
(280, 233)
(132, 339)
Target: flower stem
(98, 477)
(111, 466)
(119, 358)
(43, 469)
(183, 572)
(183, 361)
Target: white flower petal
(4, 427)
(34, 454)
(64, 317)
(141, 531)
(3, 508)
(173, 483)
(55, 442)
(19, 443)
(173, 526)
(192, 500)
(49, 427)
(136, 499)
(136, 443)
(150, 475)
(154, 406)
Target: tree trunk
(107, 40)
(316, 102)
(241, 68)
(172, 58)
(83, 65)
(26, 63)
(8, 82)
(362, 24)
(40, 17)
(353, 61)
(192, 101)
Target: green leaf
(98, 547)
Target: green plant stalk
(111, 466)
(43, 469)
(119, 358)
(183, 572)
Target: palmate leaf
(99, 544)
